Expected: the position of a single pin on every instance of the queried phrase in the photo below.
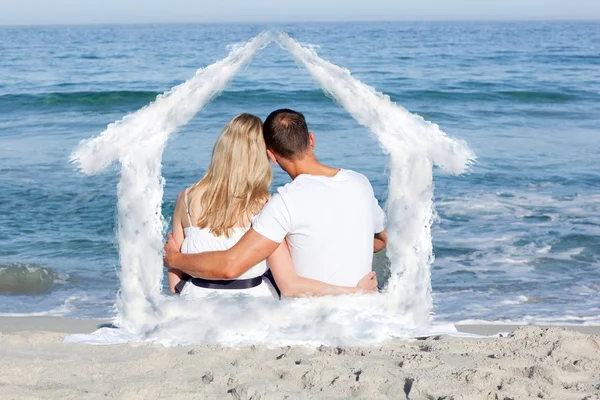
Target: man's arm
(380, 233)
(249, 251)
(293, 285)
(380, 241)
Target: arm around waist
(229, 264)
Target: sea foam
(137, 142)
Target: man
(330, 217)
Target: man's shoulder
(299, 185)
(357, 177)
(290, 188)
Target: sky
(50, 12)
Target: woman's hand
(368, 283)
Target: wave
(86, 98)
(274, 96)
(541, 96)
(138, 98)
(27, 279)
(521, 96)
(66, 308)
(92, 99)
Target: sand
(532, 362)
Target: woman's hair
(237, 182)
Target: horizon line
(83, 24)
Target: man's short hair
(286, 133)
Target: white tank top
(198, 240)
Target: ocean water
(517, 239)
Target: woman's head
(237, 181)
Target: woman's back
(214, 213)
(198, 240)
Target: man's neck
(308, 166)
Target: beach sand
(532, 362)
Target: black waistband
(271, 278)
(235, 284)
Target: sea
(516, 238)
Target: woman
(215, 212)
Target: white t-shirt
(329, 223)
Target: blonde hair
(236, 184)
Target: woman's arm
(174, 275)
(292, 285)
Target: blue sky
(18, 12)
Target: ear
(272, 157)
(312, 140)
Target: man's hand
(380, 241)
(171, 252)
(368, 283)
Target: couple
(314, 237)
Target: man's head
(287, 136)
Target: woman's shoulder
(182, 199)
(186, 193)
(191, 199)
(181, 203)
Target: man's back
(329, 216)
(329, 223)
